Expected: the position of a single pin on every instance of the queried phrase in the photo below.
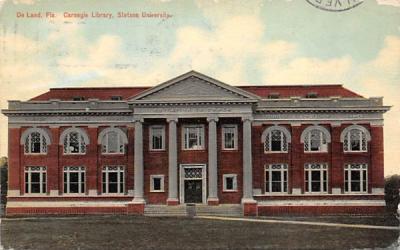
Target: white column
(212, 160)
(138, 162)
(247, 162)
(172, 162)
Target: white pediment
(193, 86)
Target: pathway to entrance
(300, 223)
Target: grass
(137, 232)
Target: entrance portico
(194, 97)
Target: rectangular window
(229, 137)
(74, 180)
(316, 177)
(276, 178)
(156, 183)
(157, 135)
(193, 137)
(229, 182)
(355, 178)
(35, 180)
(113, 179)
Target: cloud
(25, 2)
(219, 50)
(395, 3)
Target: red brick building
(315, 149)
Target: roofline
(292, 85)
(79, 88)
(176, 79)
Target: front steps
(233, 210)
(163, 210)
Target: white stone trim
(32, 130)
(112, 129)
(92, 192)
(151, 133)
(120, 170)
(380, 191)
(77, 130)
(318, 127)
(182, 181)
(152, 177)
(347, 173)
(336, 191)
(322, 203)
(296, 191)
(66, 204)
(283, 169)
(283, 129)
(234, 184)
(359, 127)
(201, 135)
(235, 129)
(13, 193)
(54, 192)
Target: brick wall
(229, 162)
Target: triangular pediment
(193, 86)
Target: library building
(196, 142)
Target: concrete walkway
(300, 223)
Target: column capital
(172, 119)
(247, 118)
(138, 119)
(212, 118)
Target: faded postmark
(335, 5)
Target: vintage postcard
(199, 124)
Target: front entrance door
(193, 191)
(192, 183)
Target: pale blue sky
(239, 42)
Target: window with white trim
(276, 141)
(229, 182)
(157, 138)
(112, 143)
(35, 143)
(156, 183)
(316, 177)
(355, 178)
(276, 178)
(355, 140)
(74, 180)
(113, 179)
(74, 143)
(35, 180)
(229, 137)
(315, 141)
(193, 137)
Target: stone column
(212, 162)
(247, 162)
(138, 162)
(172, 163)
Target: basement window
(273, 96)
(312, 95)
(116, 98)
(78, 98)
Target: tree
(392, 187)
(3, 179)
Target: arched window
(35, 141)
(74, 141)
(276, 139)
(315, 139)
(355, 139)
(112, 141)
